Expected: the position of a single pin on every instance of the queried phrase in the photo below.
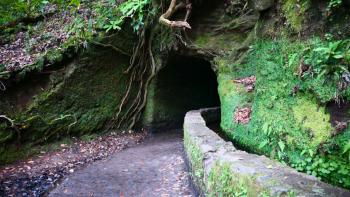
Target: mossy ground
(12, 153)
(293, 128)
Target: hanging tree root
(143, 68)
(119, 50)
(173, 7)
(12, 122)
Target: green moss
(13, 152)
(223, 182)
(296, 121)
(294, 11)
(202, 40)
(78, 100)
(231, 96)
(195, 157)
(218, 41)
(313, 118)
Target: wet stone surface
(154, 168)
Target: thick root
(164, 18)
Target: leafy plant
(11, 10)
(134, 10)
(334, 4)
(322, 167)
(346, 150)
(330, 59)
(81, 30)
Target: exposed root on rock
(119, 50)
(142, 69)
(12, 122)
(173, 7)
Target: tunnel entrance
(184, 84)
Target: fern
(330, 59)
(133, 9)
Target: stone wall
(219, 169)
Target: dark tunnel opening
(184, 84)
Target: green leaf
(346, 148)
(339, 56)
(281, 145)
(292, 59)
(265, 128)
(311, 152)
(263, 144)
(280, 155)
(75, 3)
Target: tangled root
(173, 7)
(143, 68)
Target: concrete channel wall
(219, 169)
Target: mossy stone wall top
(256, 175)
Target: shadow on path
(153, 168)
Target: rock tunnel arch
(184, 83)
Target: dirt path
(154, 168)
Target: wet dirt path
(153, 168)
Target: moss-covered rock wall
(287, 115)
(77, 99)
(293, 127)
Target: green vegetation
(196, 157)
(334, 4)
(11, 10)
(329, 73)
(134, 9)
(294, 11)
(313, 118)
(288, 116)
(297, 77)
(223, 182)
(82, 111)
(54, 112)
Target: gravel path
(154, 168)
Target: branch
(2, 86)
(8, 119)
(111, 46)
(164, 18)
